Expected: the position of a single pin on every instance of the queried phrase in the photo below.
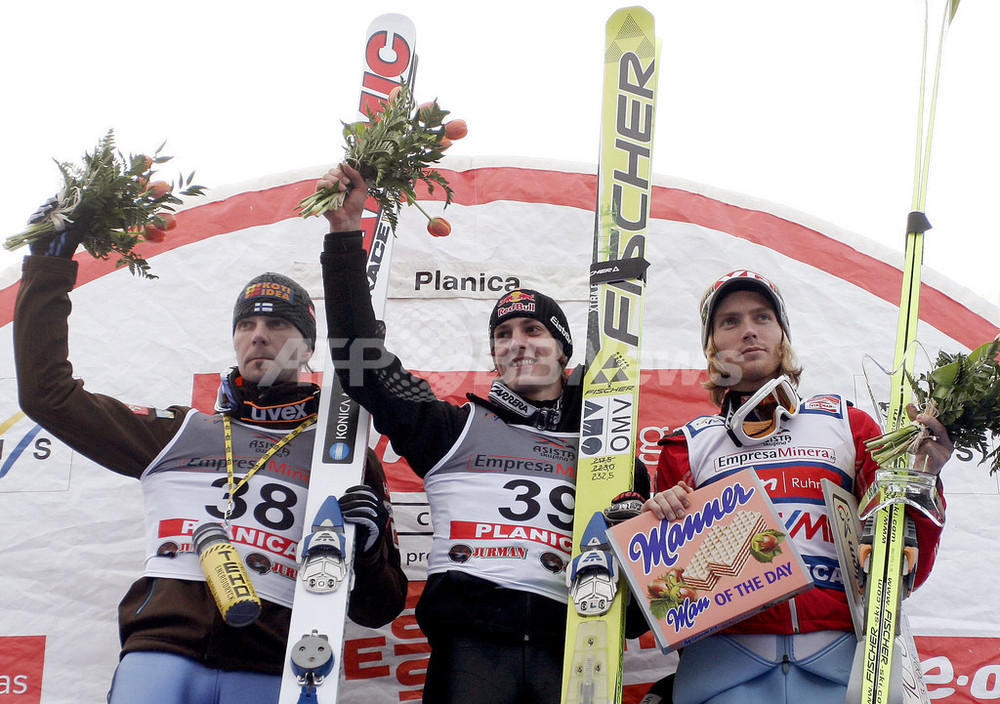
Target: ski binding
(589, 673)
(592, 580)
(312, 661)
(321, 554)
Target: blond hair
(720, 371)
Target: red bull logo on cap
(516, 302)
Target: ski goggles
(760, 416)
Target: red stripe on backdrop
(525, 185)
(826, 254)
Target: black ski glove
(626, 505)
(370, 517)
(63, 242)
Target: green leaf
(106, 198)
(393, 151)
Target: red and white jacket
(825, 440)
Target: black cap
(280, 297)
(526, 303)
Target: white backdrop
(70, 531)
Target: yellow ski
(594, 638)
(884, 581)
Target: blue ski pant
(776, 669)
(165, 678)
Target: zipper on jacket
(794, 614)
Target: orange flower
(456, 129)
(165, 221)
(424, 110)
(153, 234)
(158, 189)
(439, 227)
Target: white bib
(186, 485)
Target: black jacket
(423, 429)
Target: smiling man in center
(499, 474)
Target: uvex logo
(293, 411)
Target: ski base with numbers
(592, 666)
(315, 640)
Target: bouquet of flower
(113, 203)
(392, 151)
(963, 392)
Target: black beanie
(525, 303)
(280, 297)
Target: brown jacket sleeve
(97, 426)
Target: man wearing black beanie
(176, 646)
(498, 472)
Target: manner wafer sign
(726, 559)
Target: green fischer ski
(594, 636)
(895, 486)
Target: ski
(316, 636)
(592, 666)
(880, 650)
(842, 507)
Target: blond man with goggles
(800, 650)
